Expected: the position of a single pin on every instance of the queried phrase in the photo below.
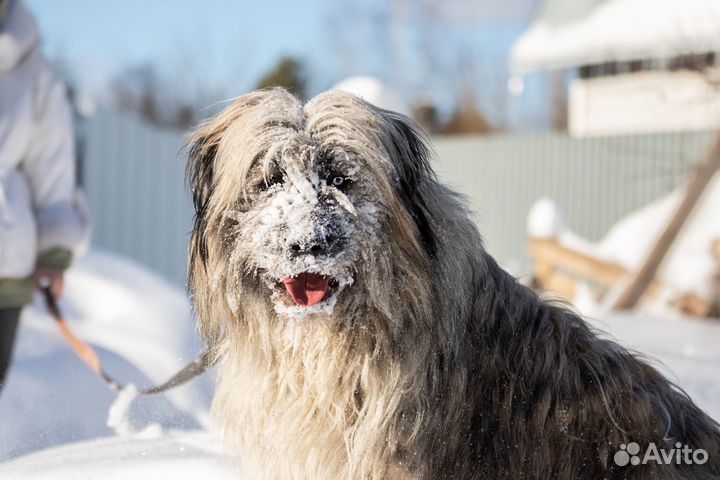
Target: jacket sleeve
(49, 166)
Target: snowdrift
(689, 267)
(189, 456)
(144, 332)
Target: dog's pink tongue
(307, 289)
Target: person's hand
(48, 277)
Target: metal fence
(594, 181)
(133, 177)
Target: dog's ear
(414, 174)
(200, 170)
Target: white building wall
(644, 102)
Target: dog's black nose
(317, 246)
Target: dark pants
(8, 326)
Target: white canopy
(569, 33)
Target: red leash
(90, 358)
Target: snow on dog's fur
(363, 332)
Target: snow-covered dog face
(308, 207)
(303, 223)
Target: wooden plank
(644, 277)
(693, 305)
(550, 252)
(559, 268)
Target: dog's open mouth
(307, 289)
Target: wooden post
(644, 277)
(715, 307)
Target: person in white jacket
(41, 223)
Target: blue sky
(217, 34)
(231, 43)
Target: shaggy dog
(363, 332)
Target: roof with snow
(570, 33)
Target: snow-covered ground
(173, 456)
(685, 350)
(144, 331)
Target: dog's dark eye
(338, 181)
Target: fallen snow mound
(143, 330)
(689, 266)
